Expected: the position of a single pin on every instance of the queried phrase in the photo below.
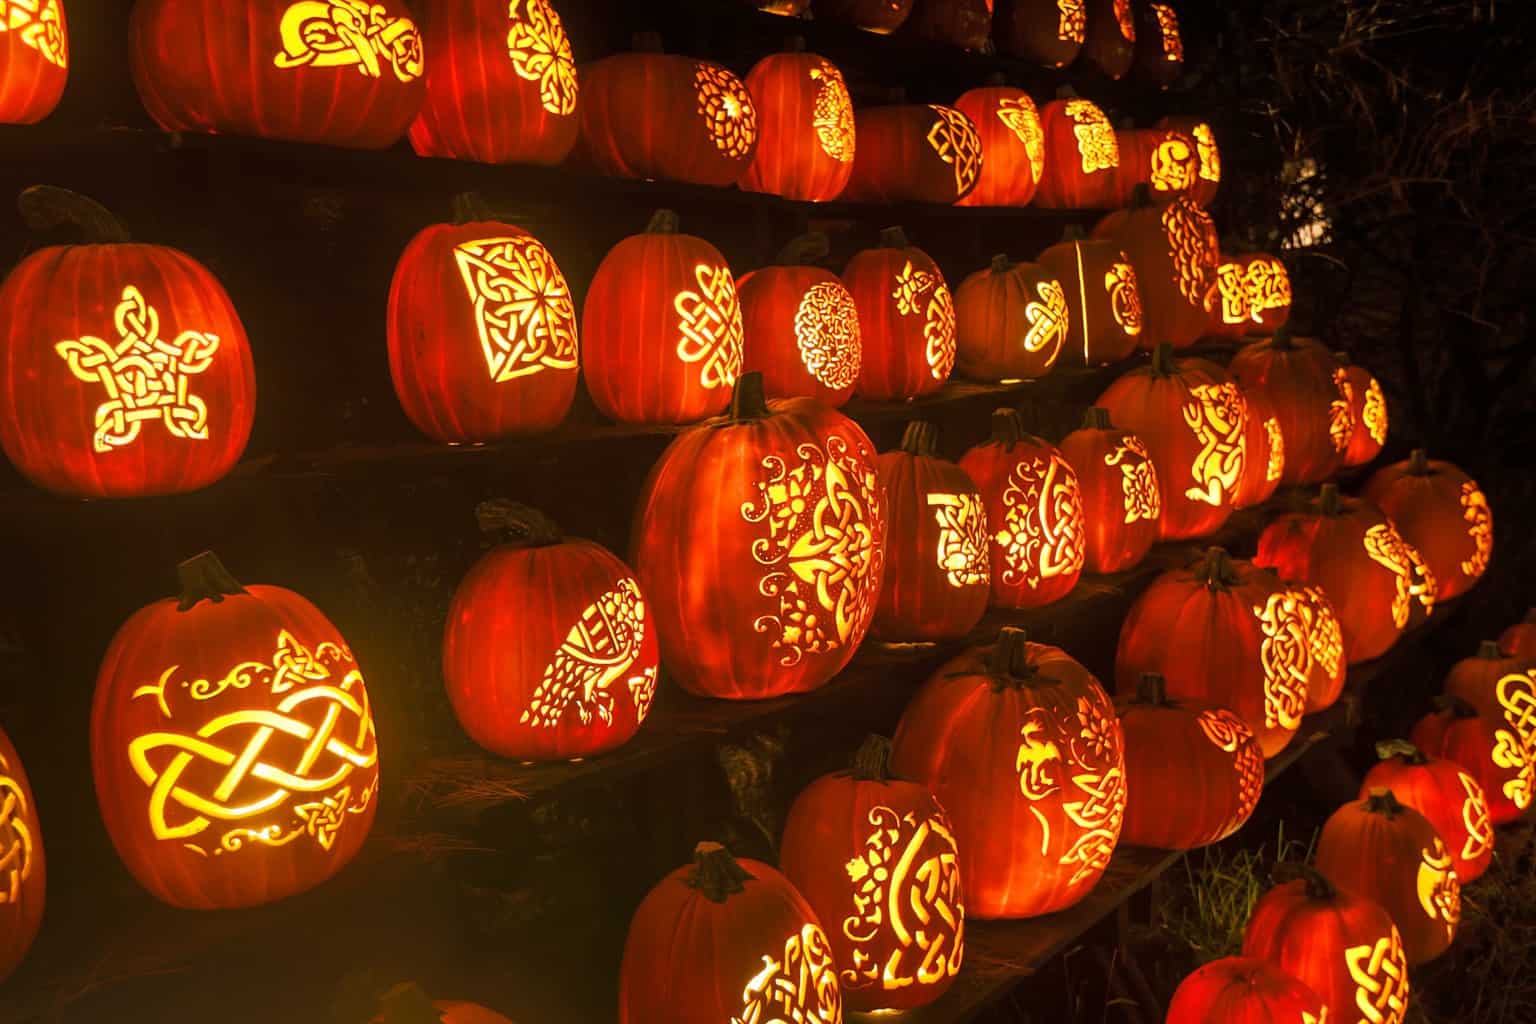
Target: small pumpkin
(1011, 320)
(1021, 746)
(1451, 799)
(1159, 45)
(1520, 639)
(23, 868)
(1306, 386)
(1103, 299)
(1227, 301)
(1109, 40)
(914, 153)
(1049, 34)
(1174, 251)
(1082, 157)
(806, 138)
(1326, 638)
(963, 23)
(1264, 454)
(1369, 405)
(1012, 145)
(882, 17)
(1500, 685)
(1121, 501)
(1443, 513)
(1490, 749)
(1241, 990)
(1208, 158)
(1163, 159)
(906, 319)
(1269, 292)
(801, 326)
(34, 63)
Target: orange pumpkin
(963, 23)
(1174, 250)
(1500, 684)
(1103, 300)
(1121, 502)
(1208, 158)
(1264, 462)
(1159, 45)
(906, 319)
(1012, 145)
(1081, 157)
(1163, 159)
(1109, 41)
(1326, 638)
(1442, 512)
(1490, 749)
(1243, 990)
(408, 1004)
(1306, 387)
(23, 869)
(914, 153)
(1369, 405)
(34, 65)
(882, 17)
(1050, 34)
(1010, 322)
(1269, 292)
(1442, 791)
(1520, 639)
(801, 327)
(1227, 300)
(806, 129)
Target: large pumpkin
(805, 125)
(662, 117)
(1442, 512)
(1050, 34)
(1452, 800)
(1500, 685)
(1244, 990)
(662, 328)
(482, 331)
(1520, 638)
(721, 940)
(340, 72)
(23, 870)
(938, 568)
(1379, 849)
(1194, 770)
(1369, 405)
(1490, 749)
(1306, 387)
(127, 372)
(1109, 41)
(1034, 511)
(875, 856)
(759, 542)
(1192, 418)
(881, 17)
(1208, 157)
(1326, 638)
(1103, 299)
(1269, 292)
(963, 23)
(1162, 159)
(501, 87)
(1010, 322)
(906, 319)
(1344, 947)
(34, 64)
(801, 327)
(1264, 452)
(1081, 156)
(1012, 145)
(914, 153)
(233, 745)
(1121, 500)
(1159, 45)
(1174, 251)
(1021, 746)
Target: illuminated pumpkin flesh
(1310, 396)
(1081, 157)
(1159, 44)
(914, 153)
(1208, 160)
(34, 62)
(906, 319)
(801, 331)
(1163, 159)
(1011, 320)
(1491, 750)
(23, 870)
(1269, 292)
(1443, 513)
(1174, 251)
(1369, 404)
(1121, 500)
(1012, 145)
(1326, 638)
(1264, 455)
(1451, 799)
(806, 126)
(1103, 300)
(1243, 990)
(1501, 688)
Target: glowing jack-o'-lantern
(727, 940)
(914, 153)
(1443, 513)
(1326, 638)
(1034, 511)
(1163, 159)
(801, 327)
(1342, 946)
(34, 60)
(23, 871)
(1501, 687)
(906, 319)
(127, 371)
(1369, 404)
(1012, 145)
(1208, 161)
(1021, 746)
(342, 72)
(1159, 45)
(1264, 457)
(1103, 301)
(876, 858)
(1011, 320)
(233, 745)
(1379, 849)
(805, 118)
(1240, 989)
(1490, 749)
(1121, 500)
(549, 652)
(882, 17)
(1109, 39)
(1050, 33)
(938, 563)
(1227, 301)
(1269, 292)
(1174, 251)
(1081, 156)
(963, 23)
(759, 540)
(1307, 389)
(1442, 791)
(662, 330)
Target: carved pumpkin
(1174, 250)
(1501, 687)
(1490, 749)
(1109, 41)
(233, 744)
(23, 869)
(1269, 292)
(806, 131)
(759, 541)
(1442, 791)
(1081, 157)
(1192, 418)
(1010, 322)
(1163, 159)
(914, 153)
(1103, 300)
(127, 372)
(1343, 947)
(963, 23)
(1049, 34)
(938, 569)
(1222, 632)
(1306, 387)
(501, 88)
(1326, 638)
(1021, 746)
(1034, 510)
(1520, 639)
(906, 319)
(875, 857)
(1227, 301)
(1159, 45)
(1012, 145)
(334, 71)
(1121, 502)
(1369, 405)
(662, 117)
(1264, 452)
(482, 331)
(1379, 849)
(1241, 990)
(1204, 754)
(662, 330)
(801, 327)
(1208, 159)
(34, 65)
(881, 17)
(1442, 512)
(738, 938)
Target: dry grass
(1223, 885)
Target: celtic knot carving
(1475, 818)
(1172, 168)
(1042, 535)
(1124, 297)
(1373, 415)
(1324, 636)
(1096, 144)
(350, 33)
(709, 326)
(523, 309)
(799, 987)
(827, 334)
(1341, 411)
(1138, 479)
(1268, 285)
(1380, 974)
(1072, 26)
(1511, 754)
(1386, 548)
(1020, 116)
(963, 552)
(1231, 294)
(16, 840)
(1192, 247)
(1054, 751)
(1229, 733)
(727, 110)
(955, 141)
(41, 27)
(1274, 467)
(832, 112)
(1438, 888)
(938, 315)
(1223, 728)
(596, 653)
(1479, 518)
(1516, 693)
(541, 52)
(1286, 654)
(1217, 415)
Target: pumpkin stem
(1319, 888)
(204, 578)
(1383, 801)
(1162, 359)
(1001, 263)
(1152, 688)
(1008, 427)
(1097, 418)
(1418, 462)
(44, 207)
(1328, 501)
(1074, 233)
(407, 1003)
(872, 761)
(749, 401)
(1386, 750)
(469, 207)
(920, 438)
(662, 222)
(1282, 338)
(646, 42)
(716, 873)
(1010, 655)
(517, 525)
(1489, 650)
(995, 79)
(805, 250)
(893, 238)
(794, 44)
(1216, 570)
(1456, 707)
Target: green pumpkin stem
(1216, 570)
(1489, 650)
(204, 578)
(44, 207)
(749, 401)
(517, 525)
(1328, 501)
(1386, 750)
(1009, 662)
(407, 1003)
(1418, 462)
(1152, 688)
(872, 761)
(1383, 801)
(893, 238)
(920, 438)
(1001, 263)
(1162, 360)
(662, 222)
(469, 207)
(716, 873)
(805, 250)
(1097, 418)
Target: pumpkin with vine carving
(1012, 145)
(1442, 512)
(906, 319)
(1121, 501)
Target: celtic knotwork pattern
(827, 334)
(1516, 693)
(800, 987)
(1230, 293)
(1223, 728)
(1438, 888)
(1168, 23)
(145, 376)
(1138, 479)
(1124, 297)
(271, 774)
(1373, 414)
(709, 326)
(1274, 467)
(1042, 535)
(596, 653)
(541, 52)
(1341, 411)
(16, 839)
(1286, 656)
(1080, 746)
(727, 110)
(954, 139)
(963, 554)
(822, 553)
(832, 112)
(1172, 165)
(938, 315)
(1020, 116)
(1217, 415)
(1386, 548)
(1126, 19)
(1072, 26)
(907, 886)
(1475, 818)
(1380, 974)
(1268, 285)
(1095, 136)
(41, 27)
(1423, 587)
(1192, 248)
(1232, 735)
(350, 33)
(1048, 320)
(1324, 636)
(1210, 156)
(523, 309)
(1511, 754)
(1479, 518)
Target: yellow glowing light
(963, 552)
(1380, 974)
(938, 312)
(1268, 285)
(1096, 143)
(1286, 655)
(832, 112)
(523, 309)
(727, 110)
(1168, 22)
(1439, 889)
(1126, 19)
(1138, 480)
(1275, 467)
(954, 139)
(1210, 156)
(1324, 636)
(1172, 167)
(1474, 818)
(799, 987)
(1516, 693)
(1386, 548)
(1479, 519)
(541, 52)
(144, 376)
(1227, 732)
(1234, 297)
(1217, 415)
(1020, 116)
(709, 326)
(1048, 320)
(1341, 411)
(1222, 728)
(42, 28)
(1073, 24)
(16, 840)
(1042, 536)
(350, 33)
(1511, 753)
(1124, 297)
(1094, 773)
(599, 649)
(1192, 245)
(1373, 415)
(827, 334)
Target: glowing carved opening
(1439, 889)
(1479, 519)
(799, 988)
(1172, 168)
(1517, 697)
(1098, 782)
(1124, 297)
(599, 649)
(523, 309)
(727, 110)
(1168, 23)
(144, 376)
(1217, 415)
(1373, 415)
(709, 326)
(954, 139)
(541, 52)
(1341, 412)
(1192, 248)
(1138, 480)
(1020, 116)
(963, 552)
(832, 113)
(1286, 655)
(1227, 732)
(1210, 156)
(42, 29)
(1324, 636)
(1380, 974)
(1042, 535)
(1512, 754)
(1234, 297)
(939, 315)
(350, 33)
(1386, 548)
(1096, 143)
(1276, 464)
(1269, 286)
(1126, 20)
(1073, 24)
(1474, 818)
(16, 841)
(1047, 320)
(827, 334)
